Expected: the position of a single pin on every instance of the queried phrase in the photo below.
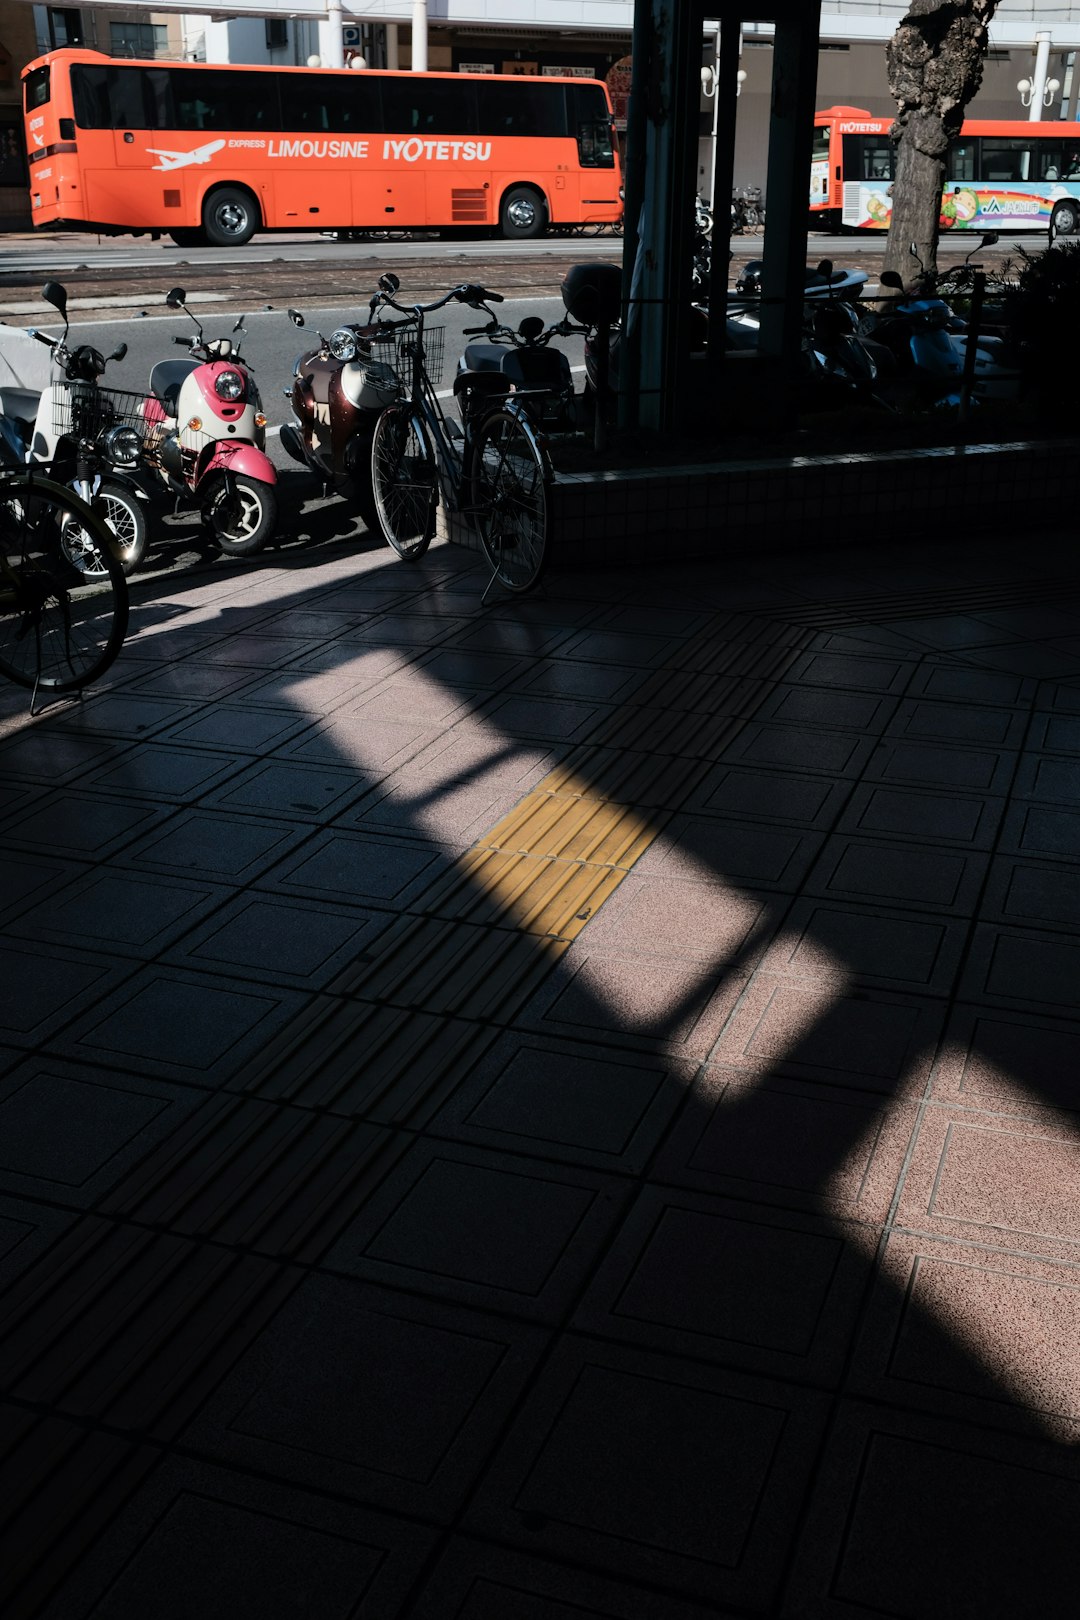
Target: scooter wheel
(123, 513)
(242, 512)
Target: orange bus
(212, 154)
(999, 174)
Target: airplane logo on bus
(184, 160)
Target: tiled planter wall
(732, 507)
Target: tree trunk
(935, 63)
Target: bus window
(877, 159)
(821, 143)
(867, 157)
(37, 88)
(960, 163)
(591, 121)
(415, 106)
(319, 104)
(521, 108)
(1048, 162)
(90, 93)
(1005, 160)
(221, 99)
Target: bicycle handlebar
(465, 293)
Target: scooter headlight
(120, 446)
(342, 344)
(229, 385)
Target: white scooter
(89, 436)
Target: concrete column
(419, 36)
(393, 60)
(1038, 83)
(331, 39)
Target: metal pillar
(791, 134)
(660, 269)
(728, 63)
(657, 377)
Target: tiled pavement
(561, 1110)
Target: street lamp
(1026, 88)
(708, 81)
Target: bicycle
(747, 212)
(493, 470)
(61, 625)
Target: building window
(65, 27)
(138, 39)
(277, 33)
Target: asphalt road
(129, 275)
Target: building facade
(523, 37)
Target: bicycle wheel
(60, 626)
(511, 485)
(404, 481)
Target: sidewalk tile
(574, 1103)
(655, 1469)
(790, 1143)
(733, 1282)
(382, 1398)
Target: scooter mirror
(239, 327)
(913, 249)
(295, 316)
(389, 282)
(890, 278)
(119, 352)
(990, 239)
(176, 298)
(54, 294)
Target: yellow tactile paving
(548, 866)
(570, 826)
(543, 896)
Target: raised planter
(726, 508)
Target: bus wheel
(523, 213)
(230, 217)
(1065, 220)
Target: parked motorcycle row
(196, 438)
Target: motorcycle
(931, 343)
(524, 366)
(339, 389)
(88, 436)
(206, 437)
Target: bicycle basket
(404, 340)
(84, 411)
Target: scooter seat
(524, 368)
(485, 356)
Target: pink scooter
(206, 437)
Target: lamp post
(1038, 91)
